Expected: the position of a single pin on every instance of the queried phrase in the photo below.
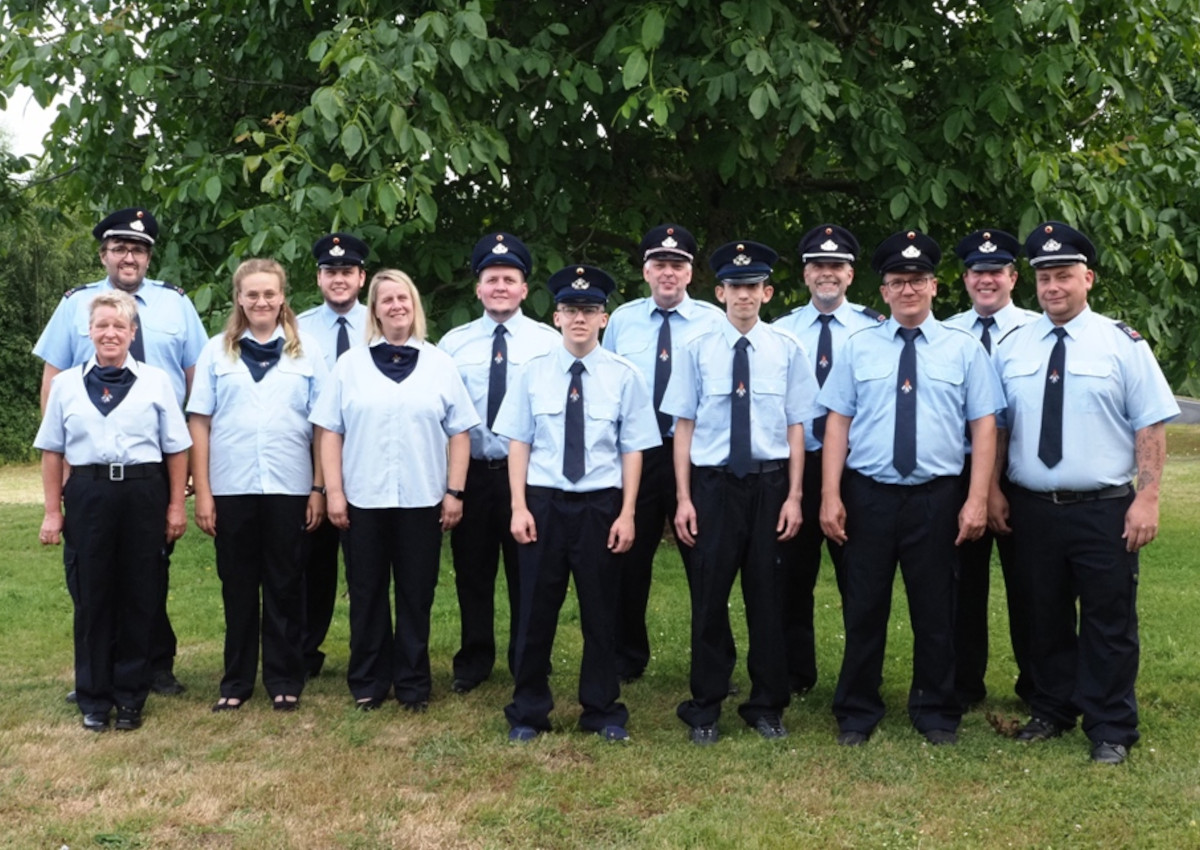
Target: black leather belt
(119, 471)
(569, 495)
(500, 463)
(755, 468)
(1071, 497)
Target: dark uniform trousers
(655, 506)
(477, 543)
(1073, 552)
(572, 540)
(259, 545)
(117, 576)
(971, 625)
(384, 545)
(736, 521)
(916, 526)
(801, 564)
(319, 555)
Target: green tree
(253, 127)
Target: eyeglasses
(132, 250)
(572, 310)
(918, 285)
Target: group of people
(888, 441)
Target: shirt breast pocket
(768, 412)
(476, 371)
(547, 404)
(297, 377)
(1091, 385)
(946, 379)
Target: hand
(452, 511)
(789, 519)
(206, 514)
(51, 531)
(337, 509)
(1141, 522)
(620, 536)
(997, 518)
(523, 528)
(314, 511)
(972, 520)
(685, 523)
(833, 518)
(176, 521)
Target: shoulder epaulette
(1129, 332)
(1010, 332)
(871, 313)
(73, 290)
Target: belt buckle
(116, 472)
(1064, 497)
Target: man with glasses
(577, 420)
(990, 275)
(898, 402)
(169, 336)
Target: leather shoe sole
(704, 736)
(851, 739)
(1106, 753)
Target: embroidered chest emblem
(664, 355)
(1054, 378)
(823, 362)
(740, 392)
(106, 396)
(906, 387)
(499, 358)
(574, 395)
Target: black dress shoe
(418, 706)
(463, 686)
(941, 737)
(128, 719)
(164, 682)
(704, 736)
(770, 726)
(72, 697)
(369, 704)
(1106, 753)
(96, 722)
(1038, 729)
(851, 739)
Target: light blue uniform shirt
(1007, 318)
(1113, 388)
(173, 333)
(394, 434)
(260, 439)
(955, 384)
(782, 392)
(633, 330)
(471, 347)
(146, 424)
(321, 323)
(618, 417)
(803, 325)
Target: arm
(456, 478)
(314, 511)
(200, 427)
(685, 512)
(997, 501)
(972, 519)
(1141, 520)
(52, 487)
(836, 446)
(48, 373)
(522, 524)
(177, 473)
(789, 514)
(330, 447)
(620, 536)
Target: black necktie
(497, 374)
(739, 411)
(138, 347)
(986, 336)
(259, 358)
(904, 444)
(343, 340)
(573, 465)
(662, 368)
(107, 386)
(824, 363)
(395, 361)
(1050, 440)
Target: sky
(25, 123)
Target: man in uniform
(170, 336)
(989, 256)
(898, 402)
(742, 395)
(487, 351)
(578, 419)
(1077, 518)
(337, 324)
(650, 332)
(822, 325)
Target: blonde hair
(120, 301)
(237, 323)
(374, 329)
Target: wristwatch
(317, 489)
(458, 494)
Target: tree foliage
(254, 127)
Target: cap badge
(337, 251)
(829, 245)
(1051, 245)
(911, 252)
(136, 224)
(741, 260)
(580, 283)
(669, 242)
(988, 247)
(500, 248)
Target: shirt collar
(1074, 327)
(278, 332)
(488, 325)
(931, 328)
(686, 308)
(732, 334)
(130, 363)
(566, 358)
(329, 316)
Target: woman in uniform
(393, 421)
(256, 492)
(117, 424)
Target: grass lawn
(328, 776)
